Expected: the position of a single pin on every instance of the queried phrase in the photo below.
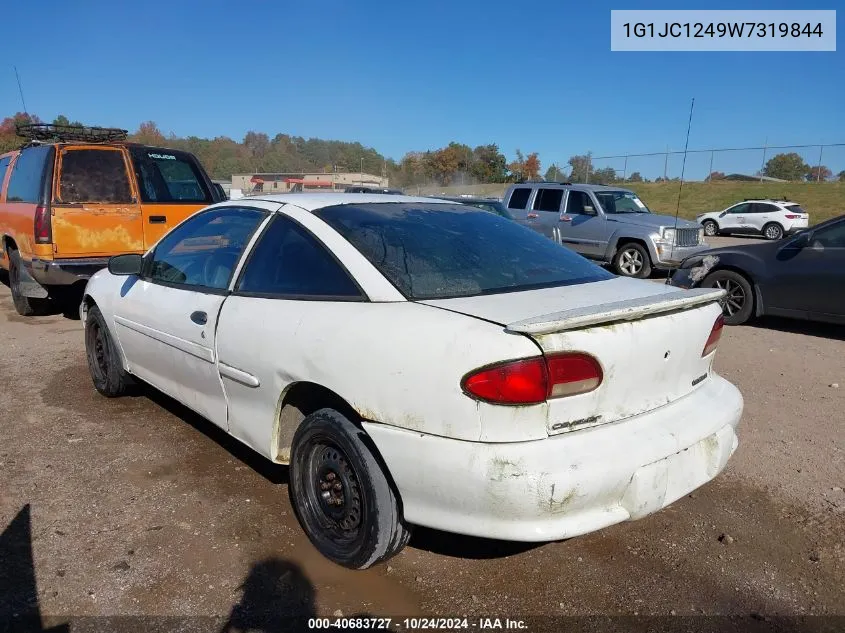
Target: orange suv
(74, 196)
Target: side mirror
(802, 240)
(589, 210)
(126, 264)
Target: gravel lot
(137, 506)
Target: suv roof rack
(50, 132)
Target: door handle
(565, 218)
(199, 317)
(158, 219)
(532, 216)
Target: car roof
(574, 185)
(315, 201)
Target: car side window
(548, 199)
(289, 262)
(4, 167)
(27, 179)
(94, 175)
(739, 208)
(577, 200)
(519, 198)
(763, 207)
(204, 251)
(830, 236)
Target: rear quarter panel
(17, 224)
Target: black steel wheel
(341, 495)
(738, 304)
(107, 372)
(25, 306)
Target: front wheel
(738, 303)
(632, 260)
(107, 372)
(341, 495)
(711, 229)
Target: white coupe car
(418, 361)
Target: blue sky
(403, 76)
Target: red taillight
(534, 380)
(792, 217)
(42, 225)
(715, 335)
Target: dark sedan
(801, 277)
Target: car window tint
(519, 198)
(548, 199)
(763, 207)
(93, 175)
(26, 181)
(740, 208)
(577, 200)
(438, 251)
(794, 208)
(204, 250)
(288, 261)
(168, 176)
(832, 236)
(4, 167)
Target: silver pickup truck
(609, 224)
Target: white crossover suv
(770, 218)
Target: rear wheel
(632, 260)
(107, 372)
(25, 306)
(711, 229)
(738, 304)
(341, 495)
(773, 231)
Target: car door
(807, 275)
(288, 279)
(544, 215)
(166, 319)
(734, 219)
(95, 209)
(583, 227)
(761, 213)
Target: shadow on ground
(795, 326)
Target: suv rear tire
(773, 231)
(341, 495)
(632, 260)
(25, 306)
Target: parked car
(74, 196)
(421, 362)
(360, 189)
(608, 224)
(487, 204)
(770, 218)
(801, 277)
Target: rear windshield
(440, 251)
(794, 208)
(168, 176)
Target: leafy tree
(532, 166)
(63, 120)
(148, 134)
(603, 175)
(635, 177)
(554, 173)
(488, 164)
(581, 167)
(9, 139)
(819, 172)
(786, 167)
(517, 167)
(841, 176)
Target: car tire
(25, 306)
(711, 229)
(738, 305)
(632, 260)
(773, 231)
(341, 495)
(104, 364)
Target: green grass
(821, 200)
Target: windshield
(621, 202)
(440, 251)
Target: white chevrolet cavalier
(421, 362)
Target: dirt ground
(138, 507)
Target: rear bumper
(65, 272)
(569, 484)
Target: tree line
(456, 163)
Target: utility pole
(666, 164)
(710, 173)
(625, 169)
(819, 170)
(361, 175)
(763, 166)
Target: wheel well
(8, 243)
(631, 240)
(773, 222)
(755, 289)
(298, 402)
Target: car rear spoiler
(629, 310)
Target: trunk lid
(647, 337)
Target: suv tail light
(43, 232)
(534, 380)
(715, 335)
(792, 216)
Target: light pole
(362, 171)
